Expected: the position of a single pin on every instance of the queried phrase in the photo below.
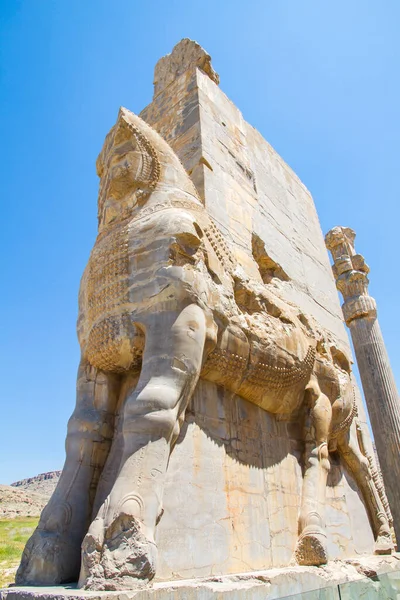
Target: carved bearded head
(128, 168)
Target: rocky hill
(20, 503)
(28, 497)
(43, 484)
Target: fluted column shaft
(383, 405)
(377, 379)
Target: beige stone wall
(234, 480)
(247, 187)
(233, 493)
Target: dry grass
(13, 536)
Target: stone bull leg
(119, 548)
(358, 464)
(311, 545)
(52, 555)
(109, 473)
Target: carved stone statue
(163, 302)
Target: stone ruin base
(364, 577)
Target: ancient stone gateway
(217, 426)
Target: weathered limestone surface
(216, 426)
(233, 493)
(379, 386)
(250, 192)
(247, 188)
(354, 578)
(270, 220)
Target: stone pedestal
(375, 577)
(378, 383)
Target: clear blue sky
(320, 80)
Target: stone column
(360, 314)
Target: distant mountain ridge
(28, 497)
(43, 484)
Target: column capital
(350, 271)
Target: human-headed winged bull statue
(162, 303)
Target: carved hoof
(311, 549)
(125, 560)
(48, 559)
(384, 544)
